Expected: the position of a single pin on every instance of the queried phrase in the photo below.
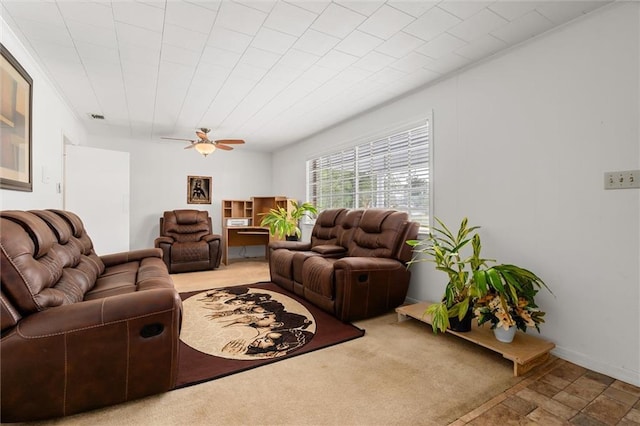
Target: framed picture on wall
(199, 190)
(15, 124)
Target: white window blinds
(390, 172)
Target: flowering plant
(509, 300)
(495, 309)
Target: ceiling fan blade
(230, 141)
(201, 135)
(224, 147)
(179, 139)
(190, 146)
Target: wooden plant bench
(526, 351)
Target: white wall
(521, 143)
(159, 173)
(51, 119)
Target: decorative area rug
(232, 329)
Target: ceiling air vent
(97, 116)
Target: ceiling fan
(205, 146)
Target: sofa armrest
(86, 355)
(329, 250)
(163, 240)
(211, 237)
(130, 256)
(352, 264)
(290, 245)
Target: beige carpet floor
(397, 374)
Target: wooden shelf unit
(248, 215)
(526, 351)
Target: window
(390, 172)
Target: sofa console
(354, 266)
(80, 331)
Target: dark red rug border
(195, 367)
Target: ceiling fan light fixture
(205, 148)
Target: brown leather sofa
(79, 331)
(188, 242)
(354, 266)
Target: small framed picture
(199, 190)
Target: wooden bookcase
(241, 222)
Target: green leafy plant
(448, 251)
(284, 223)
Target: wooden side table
(526, 351)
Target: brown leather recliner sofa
(355, 265)
(79, 331)
(188, 242)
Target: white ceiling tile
(217, 56)
(523, 28)
(388, 76)
(237, 17)
(138, 14)
(400, 45)
(353, 75)
(259, 58)
(298, 59)
(284, 72)
(183, 38)
(482, 47)
(316, 43)
(97, 14)
(337, 21)
(449, 63)
(559, 12)
(56, 54)
(412, 7)
(93, 34)
(337, 60)
(229, 40)
(478, 25)
(433, 23)
(138, 54)
(319, 73)
(249, 72)
(511, 10)
(385, 22)
(44, 13)
(98, 53)
(262, 5)
(315, 6)
(179, 55)
(463, 9)
(136, 36)
(412, 62)
(273, 41)
(289, 19)
(362, 7)
(191, 16)
(441, 45)
(46, 32)
(174, 76)
(374, 61)
(207, 4)
(358, 43)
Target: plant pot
(291, 238)
(463, 325)
(505, 336)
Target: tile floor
(561, 393)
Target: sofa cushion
(378, 234)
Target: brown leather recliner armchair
(187, 241)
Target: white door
(96, 188)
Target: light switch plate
(623, 179)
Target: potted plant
(509, 301)
(501, 294)
(284, 223)
(445, 249)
